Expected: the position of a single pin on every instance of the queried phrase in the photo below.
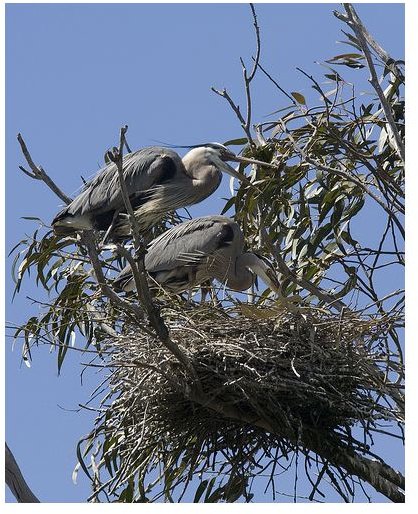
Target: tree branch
(88, 240)
(15, 481)
(138, 266)
(236, 109)
(39, 173)
(382, 477)
(246, 123)
(258, 50)
(359, 30)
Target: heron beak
(224, 166)
(274, 284)
(246, 160)
(267, 275)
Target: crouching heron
(189, 254)
(158, 181)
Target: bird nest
(261, 379)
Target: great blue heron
(158, 181)
(193, 252)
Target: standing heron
(158, 181)
(189, 254)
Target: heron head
(213, 154)
(218, 155)
(264, 269)
(219, 152)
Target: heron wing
(177, 254)
(189, 243)
(142, 170)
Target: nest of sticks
(264, 382)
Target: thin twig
(277, 85)
(40, 173)
(224, 94)
(258, 50)
(246, 123)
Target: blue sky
(76, 73)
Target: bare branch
(235, 108)
(258, 50)
(15, 481)
(277, 85)
(246, 123)
(40, 173)
(138, 268)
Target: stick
(138, 267)
(15, 481)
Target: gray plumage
(158, 181)
(198, 250)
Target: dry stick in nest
(328, 446)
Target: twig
(258, 50)
(224, 94)
(39, 173)
(249, 78)
(246, 123)
(277, 85)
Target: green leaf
(200, 490)
(238, 142)
(228, 204)
(346, 56)
(298, 97)
(209, 488)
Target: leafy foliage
(337, 164)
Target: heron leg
(205, 289)
(109, 230)
(214, 297)
(191, 279)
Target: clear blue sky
(76, 73)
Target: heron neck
(205, 177)
(240, 277)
